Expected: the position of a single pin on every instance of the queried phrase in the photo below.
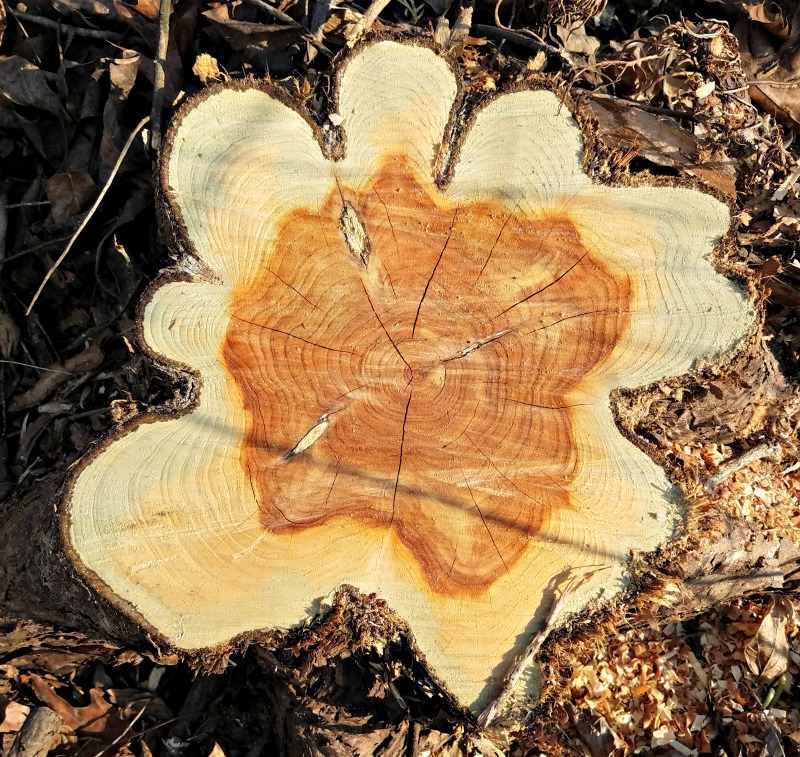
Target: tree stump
(405, 328)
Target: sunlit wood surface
(401, 386)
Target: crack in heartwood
(293, 336)
(496, 242)
(388, 218)
(385, 330)
(483, 520)
(400, 461)
(433, 272)
(547, 286)
(503, 475)
(477, 345)
(296, 291)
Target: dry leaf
(148, 8)
(70, 193)
(122, 74)
(85, 7)
(206, 68)
(767, 653)
(25, 84)
(576, 40)
(93, 718)
(769, 14)
(14, 715)
(9, 335)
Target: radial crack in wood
(404, 368)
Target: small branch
(654, 109)
(37, 733)
(287, 19)
(769, 450)
(486, 718)
(516, 38)
(4, 187)
(91, 212)
(78, 31)
(367, 20)
(160, 73)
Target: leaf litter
(705, 92)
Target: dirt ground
(708, 90)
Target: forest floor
(701, 89)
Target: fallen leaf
(576, 40)
(25, 84)
(9, 335)
(122, 74)
(14, 715)
(767, 653)
(93, 718)
(84, 362)
(85, 7)
(769, 14)
(241, 34)
(70, 193)
(660, 140)
(206, 68)
(148, 8)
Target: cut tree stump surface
(404, 342)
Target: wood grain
(402, 369)
(413, 385)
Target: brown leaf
(772, 77)
(9, 335)
(13, 715)
(122, 74)
(25, 84)
(661, 141)
(241, 34)
(206, 68)
(767, 653)
(86, 7)
(148, 8)
(769, 14)
(576, 40)
(70, 193)
(93, 718)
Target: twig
(521, 665)
(160, 73)
(654, 109)
(91, 212)
(493, 32)
(366, 21)
(49, 23)
(287, 19)
(4, 187)
(36, 735)
(124, 733)
(771, 450)
(37, 367)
